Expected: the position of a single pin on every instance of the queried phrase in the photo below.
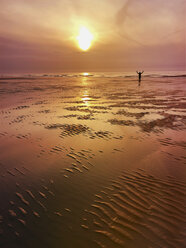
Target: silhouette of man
(139, 74)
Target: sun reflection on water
(85, 74)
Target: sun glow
(84, 39)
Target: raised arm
(137, 72)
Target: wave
(184, 75)
(94, 75)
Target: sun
(85, 38)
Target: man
(139, 73)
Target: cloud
(147, 22)
(123, 13)
(41, 34)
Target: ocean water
(93, 160)
(126, 74)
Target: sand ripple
(140, 209)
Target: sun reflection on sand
(85, 95)
(84, 79)
(85, 98)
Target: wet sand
(89, 161)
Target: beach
(93, 160)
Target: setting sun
(84, 39)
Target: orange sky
(40, 35)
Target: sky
(40, 36)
